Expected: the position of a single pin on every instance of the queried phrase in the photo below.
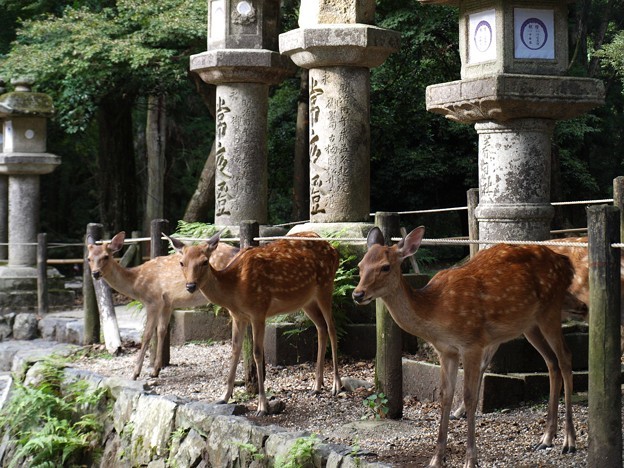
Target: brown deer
(467, 312)
(280, 277)
(157, 284)
(580, 284)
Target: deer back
(284, 274)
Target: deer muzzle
(359, 297)
(97, 274)
(191, 287)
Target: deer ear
(375, 236)
(409, 245)
(177, 244)
(214, 240)
(117, 242)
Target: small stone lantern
(513, 89)
(24, 159)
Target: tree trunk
(301, 170)
(203, 199)
(155, 143)
(116, 166)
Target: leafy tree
(96, 60)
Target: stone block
(360, 341)
(199, 325)
(520, 356)
(422, 380)
(314, 12)
(286, 344)
(25, 327)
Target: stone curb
(153, 430)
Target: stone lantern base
(18, 290)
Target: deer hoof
(567, 449)
(541, 446)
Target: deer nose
(191, 287)
(358, 296)
(96, 274)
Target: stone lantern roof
(23, 102)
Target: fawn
(156, 283)
(277, 278)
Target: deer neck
(219, 286)
(412, 309)
(122, 279)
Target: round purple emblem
(483, 36)
(533, 33)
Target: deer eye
(205, 262)
(385, 268)
(105, 257)
(182, 264)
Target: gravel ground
(504, 439)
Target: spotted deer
(157, 284)
(277, 278)
(468, 311)
(580, 284)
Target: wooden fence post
(160, 247)
(605, 397)
(90, 307)
(472, 196)
(388, 361)
(618, 200)
(42, 273)
(249, 230)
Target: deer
(156, 283)
(580, 284)
(276, 278)
(468, 311)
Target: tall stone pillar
(514, 55)
(339, 46)
(242, 62)
(23, 160)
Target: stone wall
(143, 429)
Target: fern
(49, 421)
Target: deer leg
(449, 363)
(536, 338)
(488, 355)
(238, 334)
(161, 334)
(554, 336)
(321, 332)
(325, 303)
(257, 328)
(148, 331)
(473, 372)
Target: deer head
(100, 256)
(197, 258)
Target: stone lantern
(514, 55)
(23, 159)
(242, 62)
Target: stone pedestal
(243, 78)
(339, 57)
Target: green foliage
(52, 426)
(197, 230)
(87, 54)
(300, 455)
(376, 406)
